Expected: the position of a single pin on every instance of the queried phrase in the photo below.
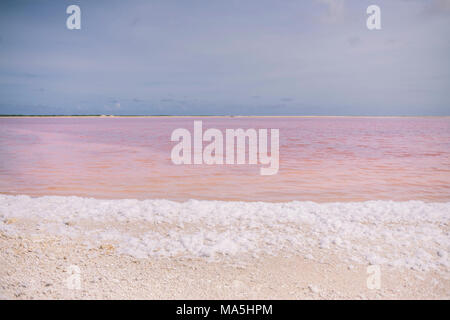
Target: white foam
(411, 234)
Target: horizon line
(217, 116)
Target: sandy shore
(76, 248)
(38, 269)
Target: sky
(225, 57)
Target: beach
(158, 249)
(37, 270)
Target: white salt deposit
(411, 234)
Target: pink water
(321, 159)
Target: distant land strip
(209, 116)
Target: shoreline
(183, 200)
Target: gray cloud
(354, 41)
(437, 8)
(335, 11)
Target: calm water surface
(321, 159)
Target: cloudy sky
(266, 57)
